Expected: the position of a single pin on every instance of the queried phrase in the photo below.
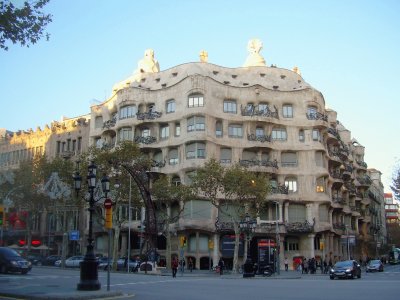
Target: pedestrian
(286, 264)
(302, 266)
(182, 263)
(174, 266)
(221, 265)
(190, 264)
(305, 266)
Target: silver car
(71, 262)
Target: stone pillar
(286, 215)
(311, 244)
(280, 212)
(215, 255)
(309, 213)
(197, 266)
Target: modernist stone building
(265, 118)
(66, 139)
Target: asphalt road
(198, 286)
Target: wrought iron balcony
(362, 164)
(334, 132)
(223, 226)
(110, 123)
(300, 227)
(259, 138)
(364, 180)
(339, 226)
(317, 116)
(256, 162)
(255, 110)
(335, 174)
(158, 164)
(280, 189)
(149, 115)
(339, 200)
(145, 139)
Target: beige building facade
(263, 117)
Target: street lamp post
(278, 267)
(247, 226)
(89, 275)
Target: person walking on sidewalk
(174, 266)
(286, 264)
(221, 265)
(190, 264)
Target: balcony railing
(158, 164)
(339, 226)
(317, 116)
(149, 115)
(259, 138)
(280, 189)
(110, 123)
(300, 227)
(256, 162)
(339, 200)
(223, 226)
(335, 174)
(364, 180)
(145, 139)
(362, 164)
(334, 132)
(255, 110)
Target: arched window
(170, 106)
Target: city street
(202, 285)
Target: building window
(321, 185)
(177, 129)
(235, 131)
(230, 106)
(196, 101)
(289, 159)
(128, 111)
(263, 107)
(164, 132)
(319, 159)
(323, 213)
(291, 244)
(173, 158)
(145, 132)
(287, 111)
(316, 136)
(125, 134)
(312, 112)
(196, 123)
(301, 135)
(79, 144)
(291, 184)
(218, 129)
(98, 122)
(297, 213)
(196, 150)
(259, 131)
(279, 134)
(170, 106)
(226, 156)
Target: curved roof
(272, 78)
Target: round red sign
(107, 203)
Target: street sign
(74, 235)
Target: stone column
(286, 215)
(197, 266)
(216, 249)
(311, 244)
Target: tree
(234, 191)
(395, 187)
(23, 25)
(170, 202)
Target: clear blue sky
(349, 50)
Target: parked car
(345, 269)
(12, 261)
(71, 262)
(374, 265)
(121, 265)
(50, 260)
(35, 259)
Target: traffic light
(183, 241)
